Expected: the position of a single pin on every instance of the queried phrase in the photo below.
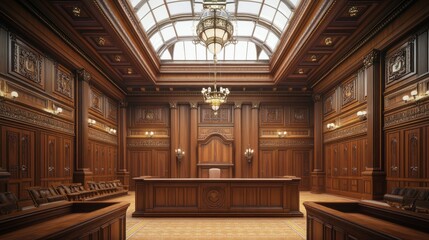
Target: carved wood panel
(215, 149)
(400, 63)
(348, 92)
(18, 158)
(112, 110)
(412, 153)
(208, 116)
(97, 101)
(300, 115)
(329, 103)
(271, 115)
(147, 116)
(63, 84)
(393, 155)
(268, 164)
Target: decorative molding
(285, 142)
(173, 105)
(272, 133)
(415, 113)
(400, 63)
(316, 97)
(141, 132)
(345, 132)
(149, 142)
(348, 92)
(35, 119)
(102, 136)
(226, 132)
(83, 75)
(224, 116)
(193, 105)
(371, 58)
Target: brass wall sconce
(415, 96)
(331, 126)
(5, 95)
(111, 130)
(281, 134)
(248, 154)
(91, 122)
(56, 110)
(361, 115)
(149, 133)
(179, 154)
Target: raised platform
(250, 197)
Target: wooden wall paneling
(269, 164)
(238, 145)
(18, 158)
(272, 115)
(160, 163)
(301, 167)
(193, 135)
(422, 52)
(254, 137)
(247, 169)
(140, 165)
(413, 153)
(184, 169)
(174, 138)
(318, 171)
(327, 155)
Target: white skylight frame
(170, 27)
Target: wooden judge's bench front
(157, 197)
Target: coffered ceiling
(319, 35)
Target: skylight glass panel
(221, 54)
(263, 56)
(189, 50)
(168, 33)
(179, 51)
(247, 7)
(272, 40)
(201, 52)
(251, 51)
(285, 10)
(155, 3)
(272, 3)
(184, 28)
(156, 41)
(268, 13)
(280, 21)
(177, 8)
(143, 11)
(245, 28)
(160, 13)
(295, 2)
(229, 52)
(134, 2)
(260, 33)
(148, 22)
(166, 55)
(241, 50)
(230, 7)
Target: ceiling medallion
(328, 41)
(76, 11)
(129, 71)
(353, 11)
(214, 29)
(313, 58)
(101, 41)
(117, 58)
(300, 71)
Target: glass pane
(179, 8)
(156, 41)
(272, 40)
(249, 7)
(260, 33)
(272, 3)
(160, 13)
(229, 52)
(189, 51)
(184, 28)
(179, 52)
(285, 10)
(241, 50)
(155, 3)
(148, 22)
(268, 13)
(201, 52)
(168, 33)
(263, 56)
(245, 28)
(143, 11)
(295, 2)
(280, 21)
(166, 55)
(134, 2)
(251, 51)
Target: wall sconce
(281, 134)
(12, 95)
(248, 154)
(149, 133)
(111, 130)
(179, 153)
(91, 122)
(56, 110)
(415, 96)
(331, 126)
(361, 115)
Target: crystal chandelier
(214, 29)
(214, 97)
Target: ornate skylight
(170, 26)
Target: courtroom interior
(119, 116)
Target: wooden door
(18, 158)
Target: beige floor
(221, 228)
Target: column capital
(255, 105)
(173, 105)
(123, 104)
(317, 97)
(237, 105)
(193, 105)
(83, 75)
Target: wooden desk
(67, 220)
(359, 220)
(217, 197)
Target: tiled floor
(221, 228)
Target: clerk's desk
(251, 197)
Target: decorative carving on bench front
(282, 142)
(399, 63)
(102, 136)
(344, 132)
(26, 62)
(214, 197)
(35, 119)
(226, 132)
(148, 142)
(415, 113)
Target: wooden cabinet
(18, 158)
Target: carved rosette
(214, 197)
